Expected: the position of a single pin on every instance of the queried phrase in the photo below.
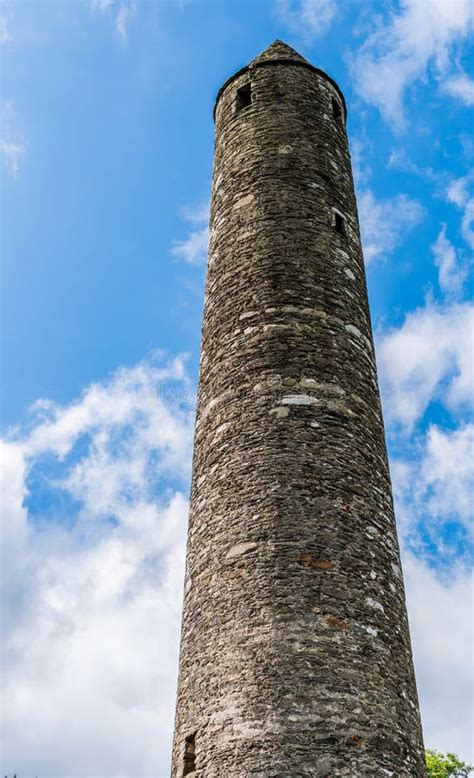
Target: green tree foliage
(446, 765)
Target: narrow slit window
(339, 223)
(189, 765)
(337, 111)
(243, 96)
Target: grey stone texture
(295, 650)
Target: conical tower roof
(278, 50)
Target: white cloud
(467, 224)
(121, 11)
(427, 358)
(399, 160)
(447, 473)
(4, 32)
(360, 169)
(434, 490)
(402, 49)
(198, 214)
(308, 19)
(441, 625)
(12, 154)
(124, 15)
(460, 193)
(92, 587)
(451, 273)
(433, 484)
(11, 148)
(193, 249)
(458, 190)
(384, 223)
(461, 87)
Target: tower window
(189, 765)
(339, 222)
(337, 111)
(243, 97)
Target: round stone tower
(295, 649)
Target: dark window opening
(339, 223)
(189, 765)
(243, 97)
(337, 111)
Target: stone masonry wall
(295, 653)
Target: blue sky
(106, 139)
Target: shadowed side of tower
(295, 652)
